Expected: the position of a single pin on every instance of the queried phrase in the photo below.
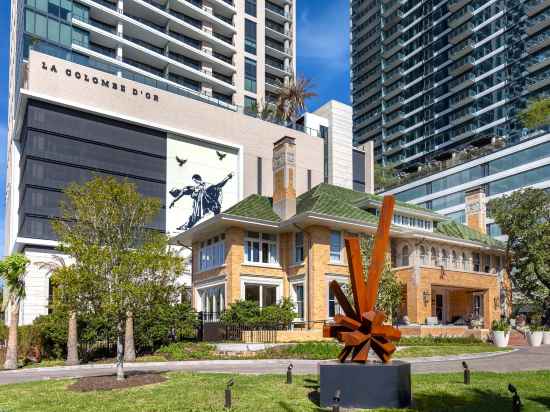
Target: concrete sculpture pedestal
(369, 385)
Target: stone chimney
(284, 177)
(476, 212)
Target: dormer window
(412, 222)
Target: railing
(275, 8)
(147, 22)
(275, 26)
(187, 40)
(145, 44)
(107, 4)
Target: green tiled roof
(457, 230)
(254, 207)
(341, 202)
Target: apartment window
(264, 295)
(212, 253)
(464, 261)
(298, 289)
(250, 75)
(434, 257)
(299, 247)
(259, 183)
(423, 256)
(335, 246)
(250, 7)
(260, 248)
(250, 106)
(249, 36)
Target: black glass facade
(60, 146)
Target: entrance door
(439, 307)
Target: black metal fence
(212, 329)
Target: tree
(104, 228)
(385, 176)
(524, 217)
(292, 99)
(536, 114)
(390, 289)
(12, 271)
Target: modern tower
(431, 78)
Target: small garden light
(228, 393)
(466, 373)
(516, 401)
(289, 374)
(336, 399)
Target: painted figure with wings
(206, 198)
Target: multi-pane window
(263, 294)
(250, 106)
(476, 261)
(260, 248)
(414, 222)
(250, 36)
(299, 300)
(250, 7)
(54, 30)
(333, 306)
(335, 246)
(212, 253)
(212, 302)
(487, 263)
(299, 247)
(250, 75)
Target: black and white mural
(202, 181)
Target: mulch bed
(107, 383)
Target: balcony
(394, 134)
(392, 62)
(537, 62)
(462, 115)
(276, 12)
(276, 30)
(537, 6)
(454, 5)
(537, 23)
(396, 75)
(394, 118)
(462, 98)
(462, 82)
(276, 67)
(389, 7)
(538, 82)
(393, 105)
(462, 49)
(463, 65)
(392, 91)
(276, 48)
(392, 48)
(538, 42)
(463, 15)
(461, 33)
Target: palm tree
(12, 270)
(59, 270)
(292, 99)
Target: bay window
(260, 248)
(212, 253)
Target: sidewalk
(519, 360)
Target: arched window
(434, 257)
(405, 256)
(455, 259)
(423, 257)
(444, 258)
(464, 261)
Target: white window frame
(342, 280)
(203, 288)
(332, 259)
(212, 255)
(260, 240)
(262, 281)
(293, 283)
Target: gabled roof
(339, 202)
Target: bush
(438, 340)
(187, 351)
(3, 332)
(52, 330)
(28, 337)
(246, 312)
(161, 324)
(500, 326)
(306, 350)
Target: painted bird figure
(221, 155)
(180, 161)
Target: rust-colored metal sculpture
(362, 327)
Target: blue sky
(323, 57)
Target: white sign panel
(202, 180)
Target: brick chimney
(284, 177)
(475, 209)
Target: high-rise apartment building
(432, 77)
(233, 53)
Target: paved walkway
(522, 359)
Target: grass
(204, 393)
(446, 350)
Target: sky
(322, 57)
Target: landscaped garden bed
(205, 392)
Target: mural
(202, 179)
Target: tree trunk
(72, 341)
(129, 345)
(11, 353)
(120, 351)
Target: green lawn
(445, 350)
(204, 393)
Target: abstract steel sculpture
(362, 328)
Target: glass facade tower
(433, 77)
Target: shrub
(500, 326)
(52, 330)
(162, 323)
(438, 340)
(28, 337)
(246, 312)
(306, 350)
(3, 332)
(187, 350)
